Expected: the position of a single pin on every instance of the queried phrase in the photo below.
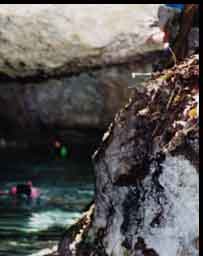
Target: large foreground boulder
(147, 180)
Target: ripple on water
(44, 220)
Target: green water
(35, 228)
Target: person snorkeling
(23, 190)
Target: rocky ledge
(147, 198)
(56, 39)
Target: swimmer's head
(13, 191)
(29, 183)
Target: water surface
(31, 228)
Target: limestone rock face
(86, 100)
(147, 180)
(60, 38)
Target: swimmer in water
(23, 189)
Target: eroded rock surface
(147, 198)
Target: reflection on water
(30, 228)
